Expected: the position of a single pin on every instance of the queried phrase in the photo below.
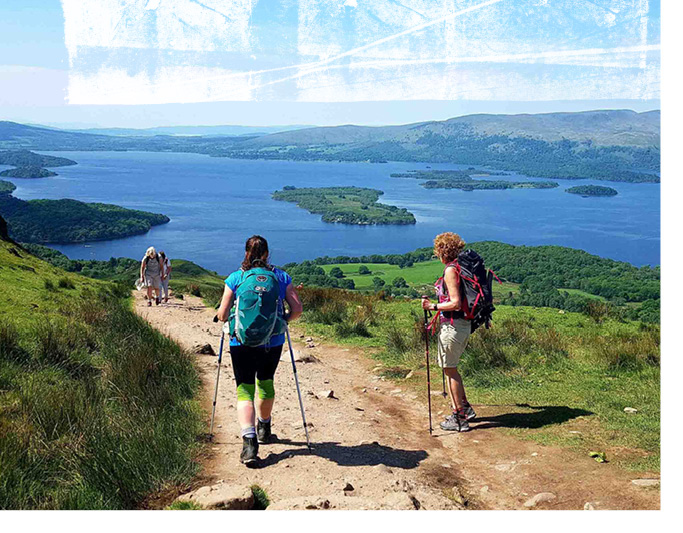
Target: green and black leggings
(254, 369)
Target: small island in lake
(464, 180)
(31, 172)
(592, 190)
(70, 221)
(346, 205)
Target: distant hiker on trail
(165, 274)
(150, 274)
(454, 330)
(255, 358)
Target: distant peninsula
(592, 190)
(464, 180)
(71, 221)
(30, 165)
(26, 158)
(7, 187)
(31, 172)
(346, 205)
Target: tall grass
(99, 413)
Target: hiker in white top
(165, 274)
(150, 274)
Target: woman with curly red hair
(454, 330)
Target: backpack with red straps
(475, 290)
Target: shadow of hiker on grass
(543, 415)
(360, 455)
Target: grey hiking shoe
(455, 423)
(469, 412)
(263, 432)
(249, 455)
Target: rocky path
(371, 448)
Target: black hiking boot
(249, 455)
(263, 432)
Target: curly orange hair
(448, 245)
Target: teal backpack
(258, 311)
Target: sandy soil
(372, 436)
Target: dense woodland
(7, 187)
(68, 221)
(346, 205)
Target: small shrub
(49, 285)
(184, 506)
(65, 283)
(261, 498)
(10, 349)
(355, 328)
(330, 313)
(194, 290)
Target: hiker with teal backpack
(465, 302)
(253, 309)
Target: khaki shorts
(152, 281)
(452, 342)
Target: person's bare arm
(142, 269)
(226, 304)
(453, 303)
(295, 305)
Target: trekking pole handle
(215, 318)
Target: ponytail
(255, 253)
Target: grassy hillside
(552, 376)
(187, 277)
(97, 409)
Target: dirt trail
(373, 436)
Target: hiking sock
(249, 432)
(264, 420)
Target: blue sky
(141, 63)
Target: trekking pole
(443, 372)
(298, 391)
(429, 382)
(218, 375)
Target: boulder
(630, 410)
(541, 497)
(645, 482)
(204, 349)
(221, 496)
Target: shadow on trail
(544, 415)
(359, 455)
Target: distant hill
(614, 145)
(209, 131)
(601, 128)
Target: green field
(421, 276)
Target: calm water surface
(216, 203)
